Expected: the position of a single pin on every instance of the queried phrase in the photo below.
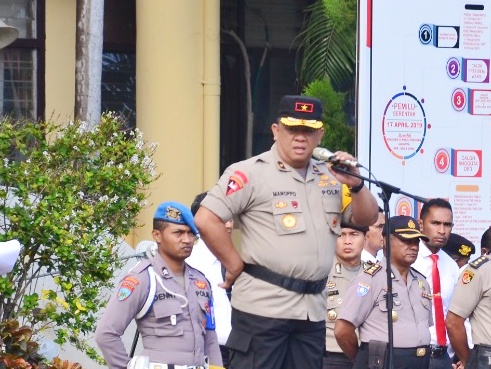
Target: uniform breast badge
(332, 315)
(289, 221)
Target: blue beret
(174, 212)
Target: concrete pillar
(178, 97)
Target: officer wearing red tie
(436, 221)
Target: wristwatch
(358, 188)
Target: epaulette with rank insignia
(479, 262)
(373, 269)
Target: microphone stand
(387, 191)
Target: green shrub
(338, 135)
(68, 194)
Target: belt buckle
(420, 351)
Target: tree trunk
(88, 66)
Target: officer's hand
(342, 177)
(459, 365)
(230, 278)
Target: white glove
(139, 362)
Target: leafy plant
(19, 351)
(338, 135)
(68, 194)
(328, 43)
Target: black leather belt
(288, 283)
(437, 351)
(330, 353)
(419, 351)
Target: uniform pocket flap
(239, 341)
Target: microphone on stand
(325, 155)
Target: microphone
(325, 155)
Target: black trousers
(257, 342)
(336, 360)
(225, 355)
(479, 357)
(401, 359)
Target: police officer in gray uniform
(365, 306)
(346, 266)
(289, 208)
(472, 299)
(171, 302)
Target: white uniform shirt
(366, 256)
(449, 275)
(202, 259)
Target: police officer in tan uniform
(365, 306)
(171, 302)
(289, 208)
(472, 299)
(346, 266)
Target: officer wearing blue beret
(171, 302)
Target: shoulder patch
(373, 269)
(479, 262)
(362, 289)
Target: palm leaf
(328, 44)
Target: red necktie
(441, 337)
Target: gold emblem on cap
(332, 315)
(411, 224)
(289, 221)
(395, 316)
(465, 250)
(173, 213)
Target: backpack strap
(151, 294)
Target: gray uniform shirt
(472, 298)
(337, 284)
(171, 333)
(365, 306)
(289, 225)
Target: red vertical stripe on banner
(369, 23)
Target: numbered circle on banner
(425, 34)
(453, 68)
(459, 99)
(442, 161)
(404, 207)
